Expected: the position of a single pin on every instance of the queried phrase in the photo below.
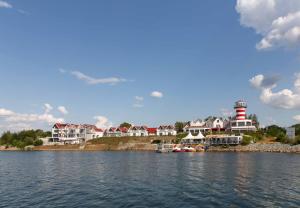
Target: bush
(247, 140)
(38, 142)
(281, 137)
(23, 138)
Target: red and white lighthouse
(240, 109)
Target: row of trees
(23, 138)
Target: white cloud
(297, 118)
(5, 112)
(4, 4)
(63, 110)
(93, 81)
(139, 98)
(14, 121)
(102, 122)
(285, 99)
(48, 107)
(157, 94)
(277, 21)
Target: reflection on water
(146, 179)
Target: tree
(23, 138)
(38, 142)
(126, 125)
(275, 131)
(179, 126)
(254, 118)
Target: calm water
(145, 179)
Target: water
(146, 179)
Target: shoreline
(146, 147)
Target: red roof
(59, 125)
(152, 130)
(122, 129)
(98, 130)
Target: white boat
(189, 149)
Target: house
(116, 132)
(167, 130)
(152, 131)
(138, 131)
(74, 133)
(196, 126)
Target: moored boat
(189, 149)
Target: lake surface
(146, 179)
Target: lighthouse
(240, 122)
(240, 109)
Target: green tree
(126, 125)
(275, 130)
(179, 126)
(38, 142)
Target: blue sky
(199, 54)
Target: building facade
(167, 130)
(74, 133)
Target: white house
(138, 131)
(196, 126)
(116, 132)
(74, 133)
(166, 131)
(215, 123)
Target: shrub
(247, 140)
(38, 142)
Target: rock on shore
(276, 147)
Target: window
(241, 123)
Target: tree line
(23, 138)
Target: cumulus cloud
(260, 81)
(285, 99)
(93, 81)
(156, 94)
(63, 110)
(11, 120)
(12, 116)
(47, 108)
(102, 122)
(277, 21)
(4, 4)
(297, 118)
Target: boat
(177, 149)
(164, 148)
(189, 149)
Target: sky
(147, 62)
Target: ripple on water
(145, 179)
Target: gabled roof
(122, 129)
(152, 130)
(98, 130)
(139, 127)
(59, 126)
(162, 127)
